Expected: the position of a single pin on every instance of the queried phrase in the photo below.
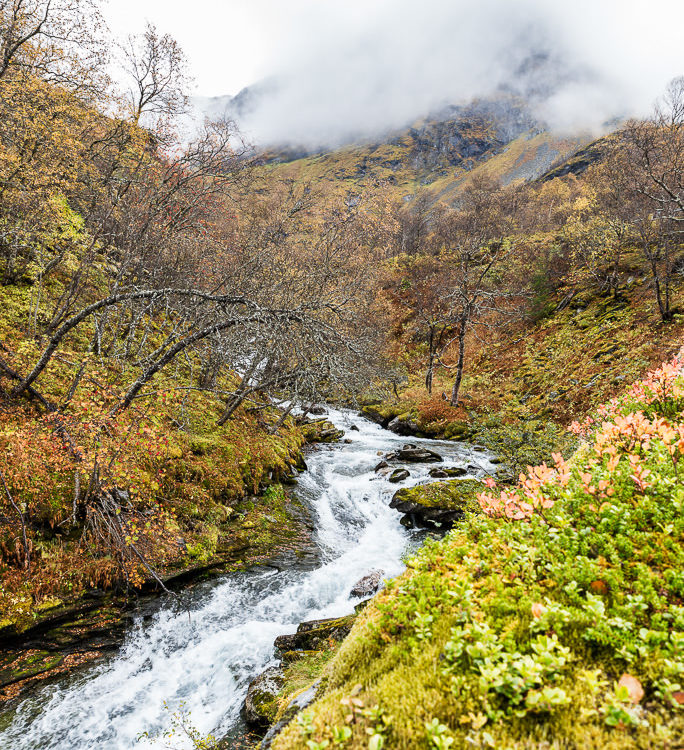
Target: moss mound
(455, 494)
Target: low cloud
(356, 69)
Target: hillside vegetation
(172, 309)
(554, 618)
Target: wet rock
(416, 455)
(347, 441)
(450, 473)
(368, 585)
(302, 701)
(311, 636)
(321, 431)
(317, 410)
(398, 475)
(261, 703)
(436, 505)
(403, 426)
(382, 465)
(354, 428)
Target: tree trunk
(459, 365)
(431, 361)
(282, 419)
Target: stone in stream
(368, 585)
(317, 410)
(398, 475)
(403, 426)
(354, 428)
(261, 703)
(381, 465)
(454, 471)
(436, 505)
(413, 454)
(310, 636)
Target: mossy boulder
(378, 413)
(458, 431)
(450, 473)
(315, 634)
(438, 504)
(261, 703)
(321, 431)
(404, 424)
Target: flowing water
(205, 657)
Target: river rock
(398, 475)
(261, 703)
(417, 455)
(368, 585)
(302, 701)
(436, 505)
(321, 431)
(382, 465)
(403, 426)
(454, 471)
(354, 428)
(313, 635)
(317, 410)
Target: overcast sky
(355, 65)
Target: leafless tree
(157, 70)
(654, 161)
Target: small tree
(475, 246)
(654, 164)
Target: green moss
(454, 494)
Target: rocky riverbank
(272, 529)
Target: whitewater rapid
(204, 657)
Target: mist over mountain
(341, 75)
